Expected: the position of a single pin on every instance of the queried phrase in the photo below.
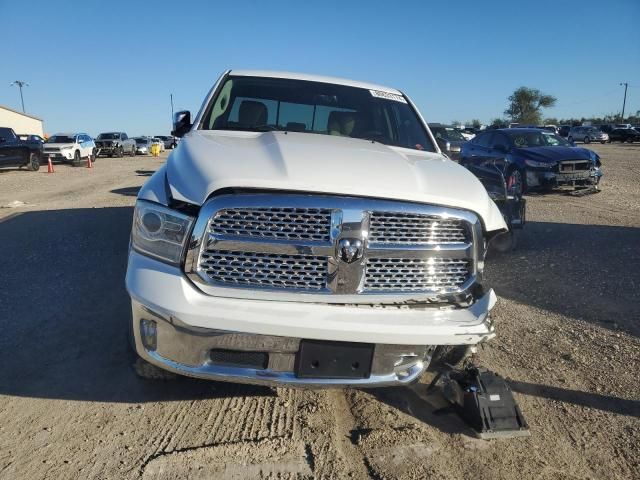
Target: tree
(525, 105)
(498, 123)
(475, 123)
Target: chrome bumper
(174, 346)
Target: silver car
(587, 135)
(143, 145)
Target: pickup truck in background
(115, 143)
(15, 152)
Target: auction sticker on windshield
(388, 96)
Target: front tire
(76, 159)
(587, 139)
(120, 152)
(34, 162)
(132, 153)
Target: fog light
(149, 334)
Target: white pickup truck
(307, 231)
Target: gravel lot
(71, 405)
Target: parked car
(563, 131)
(449, 139)
(258, 250)
(143, 145)
(587, 135)
(15, 152)
(169, 141)
(115, 143)
(623, 125)
(159, 142)
(531, 159)
(624, 135)
(70, 147)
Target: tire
(587, 139)
(603, 142)
(34, 162)
(76, 159)
(504, 242)
(449, 356)
(630, 140)
(570, 139)
(132, 153)
(120, 152)
(94, 157)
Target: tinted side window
(500, 139)
(124, 136)
(483, 140)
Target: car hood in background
(58, 145)
(207, 161)
(553, 154)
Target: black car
(15, 152)
(624, 135)
(530, 158)
(563, 131)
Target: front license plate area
(323, 359)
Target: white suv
(70, 147)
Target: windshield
(61, 139)
(448, 133)
(266, 104)
(108, 136)
(537, 139)
(141, 141)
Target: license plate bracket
(325, 359)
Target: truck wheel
(34, 162)
(587, 139)
(120, 152)
(504, 242)
(133, 151)
(449, 356)
(76, 159)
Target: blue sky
(95, 66)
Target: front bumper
(538, 177)
(61, 155)
(188, 324)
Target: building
(20, 122)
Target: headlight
(160, 232)
(533, 163)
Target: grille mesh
(415, 274)
(265, 269)
(408, 228)
(310, 224)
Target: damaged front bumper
(558, 177)
(178, 328)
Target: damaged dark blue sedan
(530, 159)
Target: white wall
(20, 123)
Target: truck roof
(313, 78)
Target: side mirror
(181, 123)
(443, 144)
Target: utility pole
(625, 100)
(20, 84)
(171, 95)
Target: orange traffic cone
(89, 163)
(50, 166)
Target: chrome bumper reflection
(174, 346)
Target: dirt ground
(71, 405)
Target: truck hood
(207, 161)
(554, 155)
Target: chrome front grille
(415, 274)
(265, 269)
(408, 228)
(283, 223)
(317, 248)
